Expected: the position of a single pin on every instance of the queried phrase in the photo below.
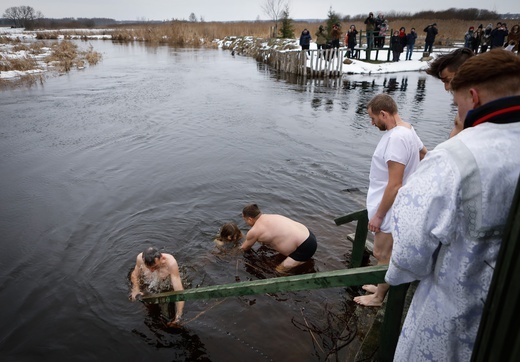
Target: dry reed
(180, 33)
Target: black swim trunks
(306, 249)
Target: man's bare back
(288, 237)
(278, 232)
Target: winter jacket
(410, 38)
(431, 32)
(321, 37)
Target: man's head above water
(149, 256)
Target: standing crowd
(482, 39)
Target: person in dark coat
(352, 41)
(410, 43)
(498, 36)
(370, 28)
(396, 46)
(485, 40)
(305, 39)
(431, 32)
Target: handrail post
(358, 247)
(391, 327)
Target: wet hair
(382, 102)
(451, 61)
(150, 254)
(251, 210)
(230, 232)
(496, 71)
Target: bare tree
(22, 16)
(192, 18)
(275, 9)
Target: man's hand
(134, 295)
(176, 323)
(374, 224)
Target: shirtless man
(151, 262)
(288, 237)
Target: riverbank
(30, 48)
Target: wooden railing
(315, 63)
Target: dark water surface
(166, 145)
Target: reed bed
(180, 33)
(36, 56)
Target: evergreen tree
(332, 18)
(287, 29)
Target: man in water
(449, 218)
(395, 158)
(154, 267)
(288, 237)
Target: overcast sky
(231, 10)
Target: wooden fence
(314, 63)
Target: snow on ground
(356, 67)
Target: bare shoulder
(170, 261)
(139, 259)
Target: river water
(161, 146)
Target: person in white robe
(449, 217)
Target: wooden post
(358, 248)
(391, 327)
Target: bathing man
(396, 157)
(288, 237)
(152, 264)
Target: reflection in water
(421, 90)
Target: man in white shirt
(396, 157)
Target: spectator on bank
(377, 31)
(498, 35)
(468, 37)
(335, 35)
(305, 39)
(352, 41)
(431, 32)
(321, 37)
(398, 42)
(485, 40)
(370, 23)
(514, 35)
(382, 33)
(475, 42)
(410, 43)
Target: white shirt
(399, 144)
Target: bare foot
(370, 288)
(281, 270)
(370, 300)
